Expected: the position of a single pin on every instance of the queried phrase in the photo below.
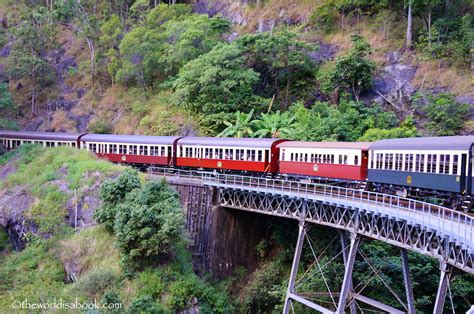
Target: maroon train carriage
(335, 160)
(132, 149)
(235, 154)
(13, 139)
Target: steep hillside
(102, 67)
(54, 253)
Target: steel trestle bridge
(428, 229)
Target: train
(436, 169)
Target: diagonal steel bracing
(411, 225)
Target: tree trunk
(429, 29)
(409, 34)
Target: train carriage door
(470, 179)
(169, 150)
(462, 176)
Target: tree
(406, 129)
(282, 60)
(446, 116)
(409, 33)
(425, 9)
(274, 124)
(240, 127)
(148, 222)
(85, 24)
(347, 122)
(354, 72)
(217, 82)
(112, 193)
(34, 36)
(170, 37)
(6, 100)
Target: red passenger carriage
(334, 160)
(233, 154)
(132, 149)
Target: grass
(37, 166)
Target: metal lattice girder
(394, 231)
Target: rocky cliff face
(221, 239)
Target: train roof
(29, 135)
(230, 142)
(130, 139)
(425, 143)
(338, 145)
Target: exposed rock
(393, 82)
(15, 202)
(324, 53)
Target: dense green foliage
(445, 115)
(353, 72)
(149, 222)
(86, 264)
(146, 220)
(113, 193)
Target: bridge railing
(448, 220)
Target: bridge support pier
(345, 253)
(407, 282)
(444, 279)
(294, 267)
(349, 266)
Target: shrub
(145, 304)
(354, 72)
(149, 222)
(262, 293)
(100, 127)
(446, 116)
(96, 282)
(112, 192)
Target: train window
(73, 144)
(132, 149)
(379, 163)
(389, 161)
(143, 150)
(259, 155)
(455, 164)
(122, 149)
(92, 147)
(231, 154)
(446, 165)
(113, 148)
(162, 151)
(251, 155)
(220, 153)
(431, 163)
(398, 161)
(409, 162)
(441, 163)
(356, 160)
(154, 151)
(340, 159)
(332, 159)
(313, 157)
(292, 157)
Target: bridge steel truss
(431, 230)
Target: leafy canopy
(354, 72)
(216, 82)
